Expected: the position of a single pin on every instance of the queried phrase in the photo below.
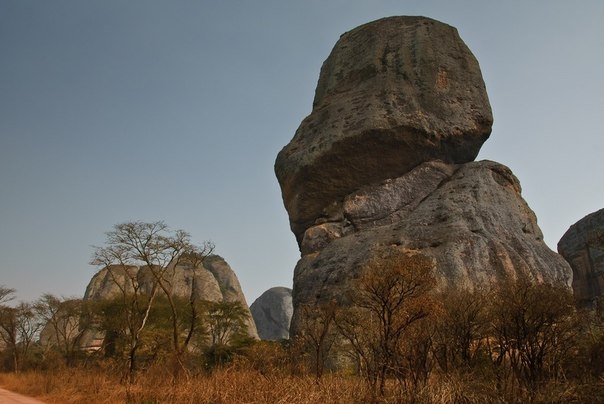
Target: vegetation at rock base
(394, 338)
(159, 251)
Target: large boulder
(272, 313)
(386, 159)
(471, 219)
(583, 247)
(392, 94)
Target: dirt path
(8, 397)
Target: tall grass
(236, 384)
(253, 382)
(228, 385)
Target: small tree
(226, 327)
(533, 326)
(317, 333)
(391, 295)
(462, 329)
(19, 327)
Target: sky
(114, 111)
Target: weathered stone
(473, 222)
(272, 313)
(583, 247)
(391, 200)
(392, 94)
(385, 159)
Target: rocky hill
(272, 313)
(214, 281)
(583, 247)
(386, 158)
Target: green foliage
(226, 324)
(220, 330)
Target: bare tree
(6, 294)
(533, 328)
(158, 251)
(317, 332)
(462, 329)
(391, 295)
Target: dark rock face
(583, 247)
(272, 313)
(386, 160)
(392, 94)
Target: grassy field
(239, 385)
(229, 385)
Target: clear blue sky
(114, 110)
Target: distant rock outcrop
(583, 247)
(213, 281)
(272, 313)
(386, 159)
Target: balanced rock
(272, 313)
(386, 159)
(583, 247)
(392, 94)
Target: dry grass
(244, 384)
(230, 385)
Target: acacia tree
(391, 296)
(158, 251)
(226, 329)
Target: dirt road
(8, 397)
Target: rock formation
(272, 313)
(392, 94)
(214, 281)
(386, 159)
(583, 247)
